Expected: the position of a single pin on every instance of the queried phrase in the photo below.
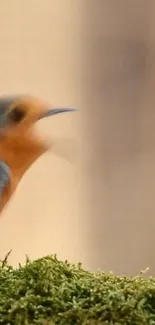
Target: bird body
(18, 153)
(20, 147)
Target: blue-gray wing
(5, 174)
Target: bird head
(18, 114)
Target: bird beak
(55, 111)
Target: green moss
(48, 291)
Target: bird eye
(16, 114)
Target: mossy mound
(48, 291)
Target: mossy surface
(48, 291)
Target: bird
(20, 146)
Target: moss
(48, 291)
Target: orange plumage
(19, 146)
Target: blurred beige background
(40, 56)
(100, 57)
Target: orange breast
(19, 152)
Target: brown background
(99, 207)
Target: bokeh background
(98, 204)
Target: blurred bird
(19, 146)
